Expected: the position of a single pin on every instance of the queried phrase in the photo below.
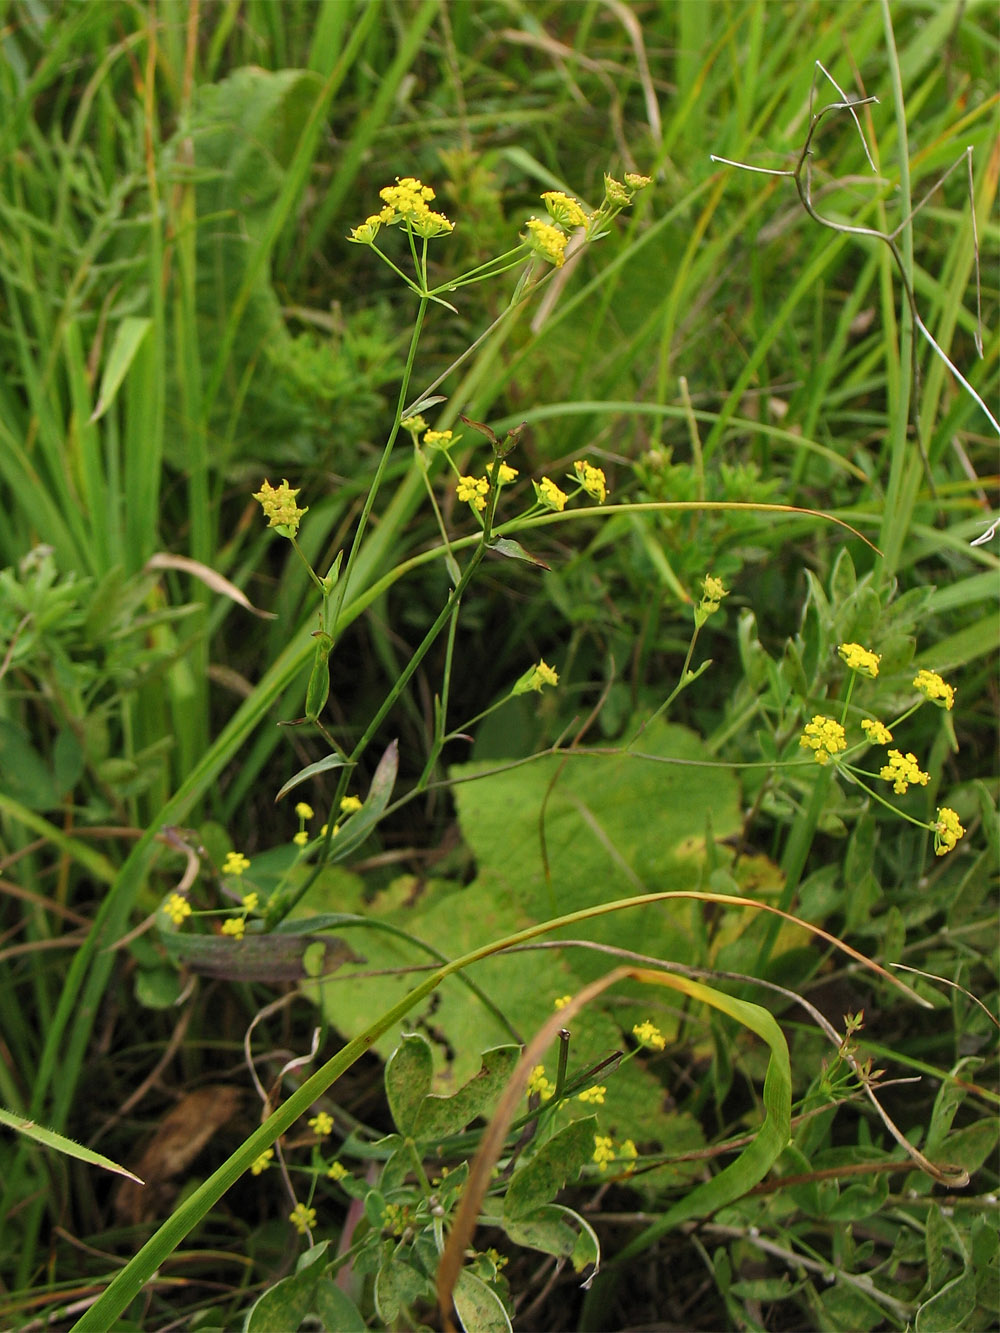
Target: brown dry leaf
(178, 1141)
(209, 577)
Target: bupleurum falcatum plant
(420, 1190)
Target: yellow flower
(413, 424)
(712, 593)
(615, 193)
(593, 1095)
(177, 908)
(947, 831)
(349, 804)
(535, 678)
(235, 864)
(930, 684)
(631, 1152)
(431, 224)
(860, 659)
(506, 473)
(321, 1124)
(438, 439)
(824, 736)
(280, 509)
(561, 1001)
(302, 1218)
(649, 1035)
(304, 811)
(635, 182)
(547, 241)
(548, 494)
(564, 210)
(365, 234)
(474, 490)
(337, 1171)
(235, 926)
(537, 1082)
(406, 201)
(249, 902)
(301, 839)
(876, 732)
(604, 1150)
(901, 770)
(592, 479)
(261, 1162)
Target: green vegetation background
(182, 316)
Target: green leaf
(558, 1161)
(397, 1286)
(128, 339)
(438, 1116)
(559, 1231)
(480, 1309)
(282, 1308)
(24, 775)
(311, 771)
(335, 1309)
(408, 1080)
(515, 551)
(949, 1308)
(363, 821)
(50, 1139)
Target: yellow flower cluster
(947, 831)
(350, 804)
(337, 1171)
(930, 684)
(561, 1001)
(593, 1096)
(261, 1162)
(177, 908)
(549, 495)
(537, 1082)
(302, 1218)
(564, 210)
(901, 770)
(536, 678)
(406, 204)
(877, 732)
(547, 241)
(592, 479)
(860, 659)
(235, 926)
(280, 509)
(474, 490)
(649, 1035)
(235, 863)
(824, 736)
(712, 593)
(321, 1124)
(605, 1153)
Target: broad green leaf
(127, 341)
(438, 1116)
(50, 1139)
(335, 1309)
(557, 1162)
(398, 1285)
(480, 1309)
(282, 1308)
(948, 1310)
(408, 1080)
(559, 1231)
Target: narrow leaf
(128, 339)
(515, 551)
(50, 1139)
(310, 771)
